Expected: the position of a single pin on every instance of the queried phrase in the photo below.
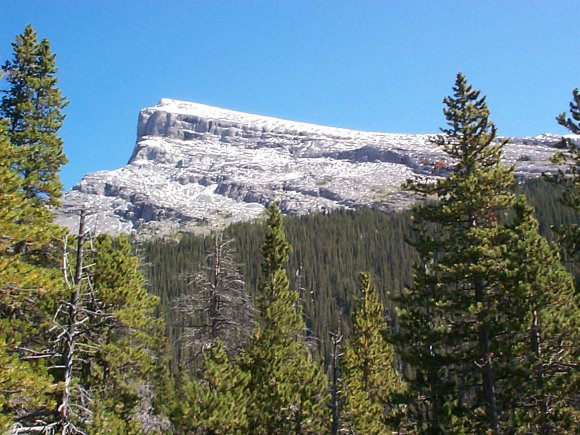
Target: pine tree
(542, 391)
(33, 105)
(369, 381)
(25, 384)
(453, 282)
(126, 337)
(289, 389)
(569, 176)
(217, 401)
(30, 281)
(30, 109)
(110, 343)
(460, 321)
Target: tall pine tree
(369, 381)
(289, 390)
(33, 105)
(461, 320)
(31, 284)
(447, 316)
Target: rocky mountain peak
(200, 166)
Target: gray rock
(200, 165)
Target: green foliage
(288, 390)
(218, 400)
(328, 250)
(23, 385)
(29, 289)
(123, 364)
(33, 106)
(462, 324)
(569, 176)
(369, 381)
(542, 386)
(19, 278)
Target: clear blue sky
(370, 65)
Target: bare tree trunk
(336, 338)
(214, 309)
(64, 406)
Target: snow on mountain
(196, 165)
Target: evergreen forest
(329, 250)
(459, 315)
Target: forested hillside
(329, 250)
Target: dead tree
(62, 351)
(70, 333)
(219, 305)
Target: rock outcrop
(196, 165)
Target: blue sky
(362, 64)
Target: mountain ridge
(198, 166)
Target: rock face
(196, 165)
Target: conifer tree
(25, 383)
(460, 321)
(30, 109)
(289, 390)
(569, 176)
(108, 343)
(127, 361)
(217, 401)
(30, 280)
(369, 381)
(453, 282)
(542, 390)
(33, 106)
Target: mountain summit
(197, 165)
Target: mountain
(197, 166)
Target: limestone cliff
(196, 165)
